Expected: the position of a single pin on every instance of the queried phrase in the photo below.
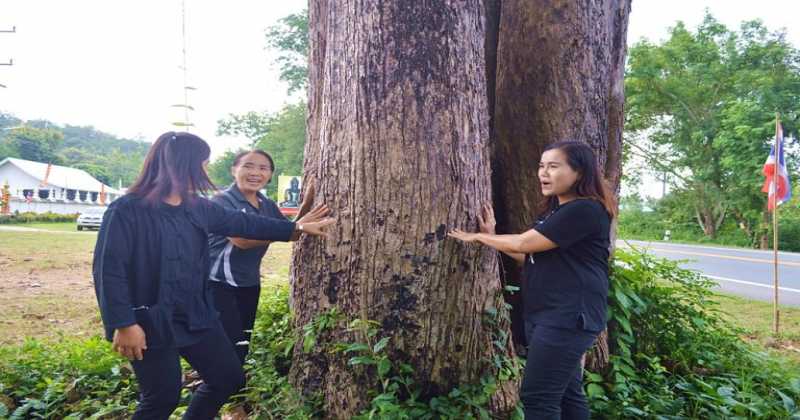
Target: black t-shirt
(567, 287)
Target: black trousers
(552, 387)
(159, 377)
(237, 308)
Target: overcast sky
(115, 64)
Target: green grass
(49, 226)
(46, 286)
(45, 282)
(60, 227)
(685, 240)
(755, 319)
(23, 251)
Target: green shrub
(69, 379)
(268, 392)
(789, 229)
(672, 356)
(30, 217)
(638, 224)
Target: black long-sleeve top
(151, 264)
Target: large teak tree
(400, 146)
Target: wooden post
(775, 313)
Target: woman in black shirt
(151, 277)
(565, 256)
(236, 262)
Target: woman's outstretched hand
(486, 221)
(315, 215)
(463, 236)
(318, 228)
(486, 224)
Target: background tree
(35, 144)
(289, 38)
(96, 171)
(704, 104)
(108, 158)
(220, 170)
(6, 151)
(282, 134)
(122, 168)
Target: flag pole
(775, 313)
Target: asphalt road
(743, 272)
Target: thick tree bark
(509, 270)
(560, 66)
(398, 148)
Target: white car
(91, 218)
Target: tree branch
(654, 160)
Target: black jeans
(159, 377)
(237, 308)
(552, 387)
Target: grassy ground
(46, 282)
(61, 227)
(46, 291)
(755, 319)
(45, 285)
(51, 226)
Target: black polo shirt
(232, 265)
(567, 287)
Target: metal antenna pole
(186, 123)
(10, 61)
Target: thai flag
(784, 189)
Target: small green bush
(71, 379)
(674, 356)
(31, 217)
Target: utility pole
(10, 61)
(186, 123)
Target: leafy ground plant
(674, 356)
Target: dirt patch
(46, 287)
(47, 303)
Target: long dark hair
(590, 183)
(174, 163)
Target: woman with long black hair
(565, 258)
(151, 270)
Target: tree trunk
(398, 148)
(560, 66)
(710, 218)
(509, 270)
(745, 225)
(764, 229)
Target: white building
(41, 187)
